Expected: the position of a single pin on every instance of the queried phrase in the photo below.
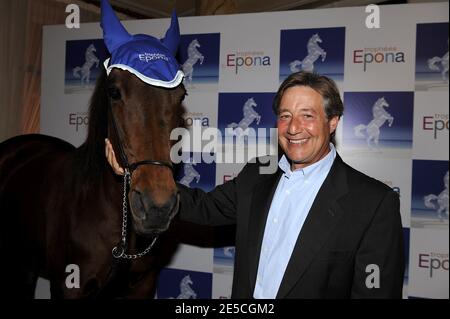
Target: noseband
(119, 250)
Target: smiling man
(316, 228)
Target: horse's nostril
(144, 206)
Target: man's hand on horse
(112, 158)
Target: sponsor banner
(198, 55)
(431, 126)
(197, 170)
(193, 258)
(395, 173)
(247, 57)
(429, 199)
(428, 265)
(200, 115)
(84, 63)
(227, 171)
(246, 115)
(224, 260)
(432, 56)
(183, 284)
(378, 124)
(318, 50)
(222, 284)
(381, 58)
(406, 241)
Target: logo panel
(432, 56)
(320, 50)
(378, 122)
(84, 63)
(429, 202)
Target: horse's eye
(114, 93)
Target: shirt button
(275, 220)
(288, 192)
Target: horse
(441, 200)
(443, 61)
(186, 291)
(314, 52)
(63, 206)
(380, 116)
(190, 173)
(193, 56)
(90, 60)
(249, 116)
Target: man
(316, 228)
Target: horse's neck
(193, 52)
(313, 47)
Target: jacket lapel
(261, 200)
(321, 219)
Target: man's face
(303, 128)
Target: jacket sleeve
(380, 261)
(215, 208)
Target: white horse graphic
(85, 69)
(441, 204)
(443, 61)
(193, 56)
(380, 115)
(250, 115)
(186, 291)
(229, 251)
(189, 174)
(314, 52)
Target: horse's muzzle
(150, 219)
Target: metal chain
(119, 250)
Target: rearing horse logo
(85, 69)
(443, 61)
(250, 115)
(193, 56)
(189, 174)
(441, 205)
(314, 52)
(186, 291)
(380, 116)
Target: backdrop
(393, 79)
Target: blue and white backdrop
(394, 82)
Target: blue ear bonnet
(151, 60)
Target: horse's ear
(114, 34)
(172, 38)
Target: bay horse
(62, 205)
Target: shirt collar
(327, 161)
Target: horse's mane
(90, 156)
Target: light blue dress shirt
(291, 203)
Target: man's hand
(112, 158)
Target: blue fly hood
(151, 60)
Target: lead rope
(119, 250)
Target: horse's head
(432, 63)
(91, 48)
(382, 102)
(251, 102)
(316, 38)
(144, 96)
(144, 116)
(195, 43)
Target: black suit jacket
(353, 223)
